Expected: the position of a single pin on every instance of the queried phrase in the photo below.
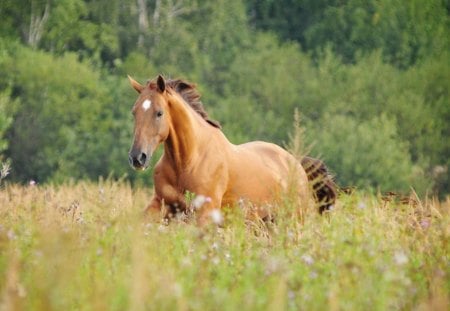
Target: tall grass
(85, 246)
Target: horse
(198, 158)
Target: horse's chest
(190, 181)
(202, 179)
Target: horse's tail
(321, 181)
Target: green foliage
(6, 118)
(372, 88)
(64, 112)
(8, 106)
(406, 31)
(263, 90)
(354, 69)
(368, 153)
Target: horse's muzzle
(138, 160)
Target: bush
(64, 123)
(367, 153)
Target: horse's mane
(190, 94)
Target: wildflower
(216, 216)
(274, 265)
(200, 200)
(362, 205)
(291, 295)
(177, 290)
(186, 262)
(11, 235)
(215, 261)
(313, 275)
(424, 223)
(162, 228)
(307, 259)
(290, 234)
(400, 258)
(215, 246)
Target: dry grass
(85, 246)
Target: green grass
(86, 247)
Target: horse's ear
(136, 85)
(161, 84)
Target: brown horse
(199, 158)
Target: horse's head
(151, 121)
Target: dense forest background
(370, 79)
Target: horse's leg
(175, 206)
(174, 200)
(205, 213)
(153, 210)
(172, 205)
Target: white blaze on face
(146, 104)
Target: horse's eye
(159, 114)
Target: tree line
(369, 78)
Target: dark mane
(190, 94)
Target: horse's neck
(184, 135)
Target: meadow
(85, 246)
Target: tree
(406, 31)
(368, 154)
(263, 90)
(62, 124)
(6, 119)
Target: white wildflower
(313, 275)
(362, 205)
(215, 246)
(162, 228)
(216, 216)
(215, 260)
(291, 295)
(307, 259)
(11, 235)
(177, 290)
(200, 200)
(99, 251)
(400, 258)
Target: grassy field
(85, 246)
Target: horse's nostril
(142, 158)
(138, 159)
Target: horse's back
(261, 172)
